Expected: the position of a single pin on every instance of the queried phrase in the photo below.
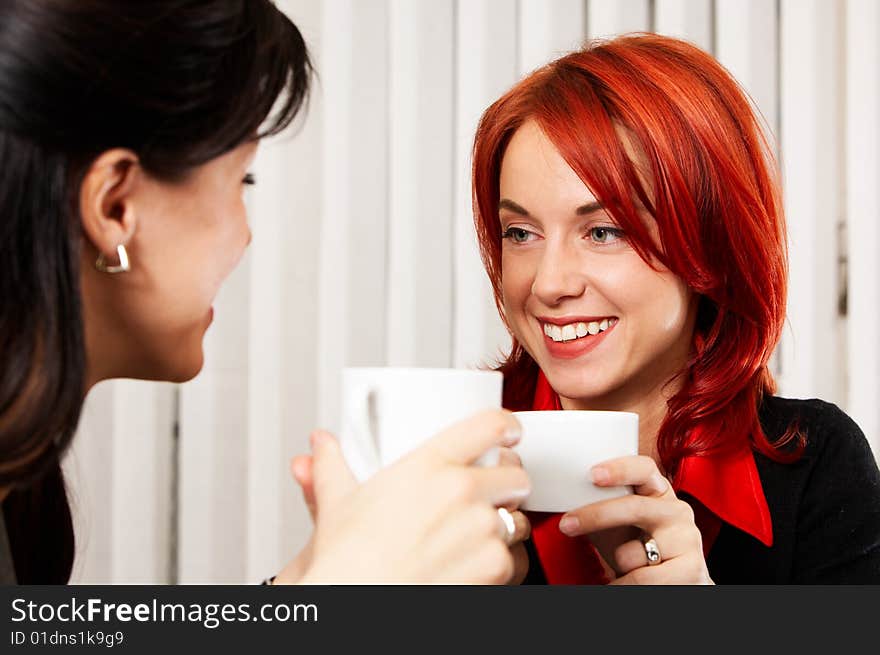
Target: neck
(96, 345)
(650, 404)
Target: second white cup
(559, 448)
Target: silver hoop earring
(123, 267)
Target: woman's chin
(183, 367)
(186, 371)
(572, 385)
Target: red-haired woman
(629, 217)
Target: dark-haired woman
(126, 135)
(630, 220)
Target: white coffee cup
(387, 412)
(558, 449)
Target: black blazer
(825, 507)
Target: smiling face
(607, 329)
(186, 238)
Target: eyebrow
(583, 210)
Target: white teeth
(574, 331)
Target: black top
(825, 508)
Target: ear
(106, 200)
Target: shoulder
(826, 504)
(776, 413)
(837, 466)
(836, 456)
(828, 431)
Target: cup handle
(365, 428)
(372, 422)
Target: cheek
(658, 302)
(201, 257)
(517, 276)
(622, 283)
(236, 237)
(230, 235)
(678, 305)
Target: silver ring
(653, 552)
(509, 524)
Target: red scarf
(721, 489)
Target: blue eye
(605, 234)
(516, 234)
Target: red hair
(712, 189)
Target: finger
(509, 457)
(490, 563)
(637, 471)
(520, 564)
(296, 568)
(680, 570)
(649, 575)
(630, 556)
(301, 467)
(467, 440)
(333, 480)
(463, 544)
(498, 485)
(672, 542)
(607, 541)
(649, 514)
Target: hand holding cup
(430, 517)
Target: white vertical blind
(299, 393)
(264, 457)
(690, 20)
(607, 18)
(548, 30)
(213, 446)
(746, 43)
(364, 253)
(283, 276)
(119, 472)
(90, 488)
(863, 212)
(810, 138)
(486, 65)
(141, 465)
(352, 290)
(422, 116)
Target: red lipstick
(575, 347)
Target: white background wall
(364, 253)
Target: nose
(560, 275)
